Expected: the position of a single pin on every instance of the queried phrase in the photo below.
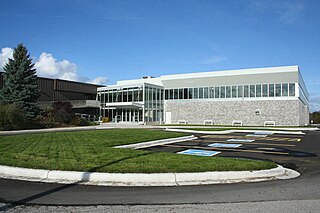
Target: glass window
(180, 93)
(246, 91)
(265, 90)
(271, 90)
(205, 92)
(129, 95)
(252, 91)
(228, 92)
(201, 92)
(171, 94)
(222, 92)
(125, 95)
(292, 89)
(217, 92)
(185, 93)
(284, 89)
(176, 94)
(278, 90)
(258, 90)
(191, 93)
(119, 98)
(240, 91)
(166, 95)
(234, 91)
(195, 93)
(211, 92)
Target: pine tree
(20, 86)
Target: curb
(62, 129)
(157, 142)
(142, 179)
(232, 131)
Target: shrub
(62, 112)
(12, 117)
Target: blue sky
(105, 41)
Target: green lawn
(92, 151)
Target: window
(217, 92)
(257, 112)
(292, 89)
(180, 93)
(205, 92)
(240, 91)
(195, 93)
(191, 93)
(228, 92)
(252, 91)
(271, 90)
(265, 90)
(166, 94)
(258, 90)
(278, 90)
(246, 91)
(171, 94)
(211, 92)
(176, 94)
(284, 89)
(234, 91)
(185, 93)
(222, 92)
(201, 92)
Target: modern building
(251, 97)
(82, 96)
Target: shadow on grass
(85, 178)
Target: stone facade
(224, 112)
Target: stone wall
(282, 112)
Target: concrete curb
(157, 142)
(232, 131)
(62, 129)
(141, 179)
(241, 127)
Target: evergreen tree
(20, 86)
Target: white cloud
(48, 66)
(5, 54)
(214, 59)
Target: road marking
(256, 135)
(255, 143)
(199, 152)
(239, 140)
(226, 149)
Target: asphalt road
(304, 188)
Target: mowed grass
(92, 151)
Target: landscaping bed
(92, 151)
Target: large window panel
(195, 93)
(223, 92)
(292, 89)
(180, 93)
(205, 92)
(217, 92)
(176, 94)
(285, 90)
(234, 91)
(191, 93)
(166, 94)
(246, 91)
(171, 94)
(278, 90)
(185, 93)
(201, 92)
(252, 91)
(228, 92)
(271, 90)
(258, 90)
(265, 90)
(240, 91)
(211, 92)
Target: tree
(20, 86)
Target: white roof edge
(250, 71)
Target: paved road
(304, 189)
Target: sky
(102, 42)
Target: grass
(92, 151)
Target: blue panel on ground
(263, 133)
(225, 145)
(199, 152)
(240, 140)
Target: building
(82, 96)
(250, 97)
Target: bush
(62, 112)
(12, 117)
